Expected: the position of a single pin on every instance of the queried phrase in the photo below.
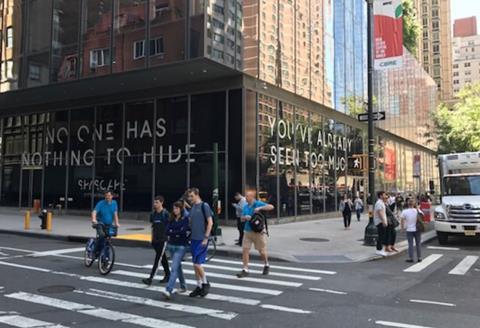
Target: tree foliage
(458, 127)
(411, 27)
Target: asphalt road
(43, 283)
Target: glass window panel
(267, 145)
(129, 32)
(96, 37)
(167, 31)
(38, 42)
(208, 121)
(286, 157)
(172, 126)
(66, 17)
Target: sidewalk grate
(315, 240)
(56, 289)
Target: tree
(458, 127)
(356, 105)
(411, 27)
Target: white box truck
(459, 212)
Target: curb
(403, 246)
(127, 243)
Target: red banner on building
(388, 36)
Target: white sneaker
(167, 295)
(381, 253)
(182, 290)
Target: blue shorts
(199, 252)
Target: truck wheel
(442, 238)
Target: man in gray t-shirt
(201, 223)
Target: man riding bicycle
(103, 215)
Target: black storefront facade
(145, 133)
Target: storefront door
(30, 186)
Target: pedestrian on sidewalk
(159, 221)
(201, 223)
(358, 204)
(409, 219)
(105, 213)
(258, 239)
(346, 208)
(391, 231)
(380, 221)
(239, 204)
(178, 229)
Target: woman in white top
(409, 222)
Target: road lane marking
(232, 269)
(58, 252)
(444, 248)
(329, 291)
(398, 324)
(20, 321)
(94, 311)
(120, 283)
(274, 267)
(249, 279)
(464, 265)
(284, 309)
(213, 284)
(433, 303)
(116, 263)
(159, 304)
(425, 263)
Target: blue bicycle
(106, 255)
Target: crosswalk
(432, 262)
(229, 297)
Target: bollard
(27, 220)
(49, 221)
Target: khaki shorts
(259, 240)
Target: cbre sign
(388, 34)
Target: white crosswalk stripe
(424, 264)
(213, 284)
(163, 305)
(279, 267)
(16, 320)
(95, 311)
(236, 269)
(464, 265)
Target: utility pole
(371, 230)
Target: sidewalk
(317, 241)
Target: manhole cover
(315, 240)
(135, 229)
(58, 289)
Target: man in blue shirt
(258, 239)
(105, 212)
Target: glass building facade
(133, 95)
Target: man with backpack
(257, 238)
(201, 224)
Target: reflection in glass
(97, 22)
(129, 35)
(286, 157)
(38, 42)
(66, 17)
(317, 161)
(167, 31)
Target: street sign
(358, 162)
(377, 116)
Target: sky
(465, 8)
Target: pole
(215, 195)
(370, 231)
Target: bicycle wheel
(89, 257)
(106, 259)
(212, 248)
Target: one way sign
(377, 116)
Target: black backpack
(214, 219)
(258, 222)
